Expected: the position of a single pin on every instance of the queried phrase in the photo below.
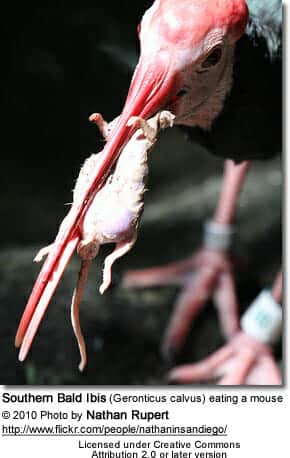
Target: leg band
(263, 319)
(218, 236)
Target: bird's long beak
(151, 86)
(148, 93)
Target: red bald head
(187, 22)
(176, 36)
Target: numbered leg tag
(263, 319)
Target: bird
(190, 56)
(247, 127)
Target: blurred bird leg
(242, 361)
(207, 273)
(247, 358)
(277, 289)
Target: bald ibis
(191, 63)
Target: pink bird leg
(244, 360)
(113, 217)
(206, 274)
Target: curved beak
(149, 91)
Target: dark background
(59, 65)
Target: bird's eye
(213, 58)
(181, 93)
